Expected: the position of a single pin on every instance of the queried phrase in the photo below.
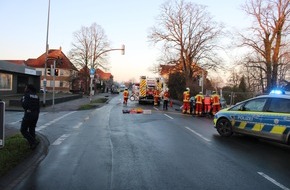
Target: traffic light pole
(53, 86)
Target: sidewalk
(13, 177)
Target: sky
(24, 28)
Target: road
(106, 149)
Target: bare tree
(89, 50)
(234, 79)
(89, 47)
(267, 36)
(189, 35)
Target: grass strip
(92, 105)
(15, 150)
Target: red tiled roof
(103, 75)
(52, 55)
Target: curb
(26, 167)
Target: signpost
(92, 74)
(2, 123)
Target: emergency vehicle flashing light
(277, 91)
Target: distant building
(102, 81)
(106, 80)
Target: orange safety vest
(186, 96)
(215, 99)
(207, 100)
(125, 94)
(156, 93)
(166, 95)
(199, 99)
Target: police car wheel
(224, 127)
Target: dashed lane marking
(78, 125)
(60, 139)
(198, 134)
(53, 121)
(273, 181)
(168, 116)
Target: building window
(60, 83)
(5, 81)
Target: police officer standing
(30, 104)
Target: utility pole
(46, 57)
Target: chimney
(60, 48)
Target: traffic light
(55, 72)
(48, 71)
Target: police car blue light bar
(276, 91)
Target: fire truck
(146, 89)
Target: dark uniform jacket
(30, 104)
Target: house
(66, 72)
(102, 81)
(105, 79)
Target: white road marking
(53, 121)
(15, 122)
(273, 181)
(168, 116)
(60, 139)
(19, 121)
(78, 125)
(198, 134)
(87, 118)
(156, 108)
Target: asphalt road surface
(107, 149)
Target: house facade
(64, 80)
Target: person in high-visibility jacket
(125, 96)
(156, 94)
(186, 101)
(199, 98)
(216, 105)
(207, 104)
(166, 97)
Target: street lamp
(46, 56)
(92, 71)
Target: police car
(266, 116)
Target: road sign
(2, 122)
(44, 82)
(92, 71)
